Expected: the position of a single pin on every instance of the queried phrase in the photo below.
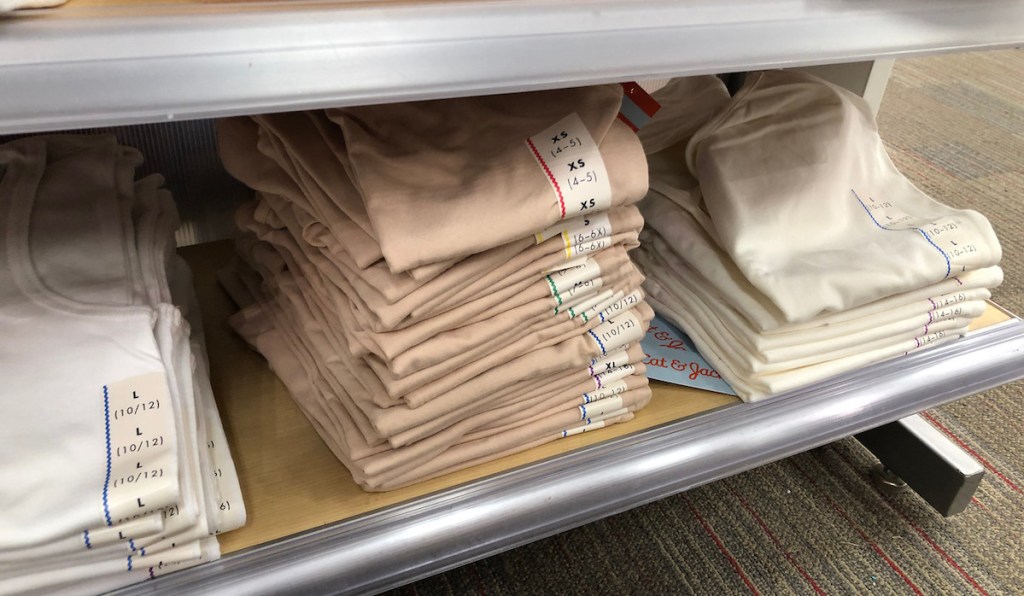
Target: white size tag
(582, 429)
(590, 306)
(569, 280)
(622, 305)
(930, 338)
(601, 407)
(608, 362)
(603, 379)
(618, 332)
(609, 390)
(589, 247)
(570, 286)
(572, 162)
(950, 299)
(946, 312)
(582, 302)
(579, 230)
(566, 265)
(951, 237)
(147, 525)
(580, 236)
(142, 470)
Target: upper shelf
(93, 63)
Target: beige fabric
(12, 5)
(471, 339)
(292, 140)
(237, 140)
(447, 179)
(686, 104)
(443, 452)
(456, 369)
(430, 400)
(391, 344)
(507, 281)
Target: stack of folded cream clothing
(443, 283)
(115, 466)
(790, 249)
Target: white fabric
(788, 247)
(685, 236)
(86, 257)
(59, 319)
(686, 103)
(12, 5)
(808, 205)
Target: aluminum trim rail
(82, 67)
(434, 533)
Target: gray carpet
(814, 523)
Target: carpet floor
(814, 523)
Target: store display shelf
(312, 529)
(95, 63)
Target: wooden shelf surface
(290, 480)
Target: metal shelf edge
(450, 528)
(78, 69)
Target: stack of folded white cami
(788, 246)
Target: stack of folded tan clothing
(443, 283)
(788, 246)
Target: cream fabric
(12, 5)
(688, 237)
(686, 103)
(796, 180)
(788, 247)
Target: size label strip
(952, 238)
(142, 468)
(572, 163)
(616, 333)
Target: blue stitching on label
(583, 409)
(601, 345)
(151, 574)
(143, 551)
(85, 536)
(129, 562)
(106, 481)
(949, 265)
(923, 233)
(586, 398)
(131, 544)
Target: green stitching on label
(554, 292)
